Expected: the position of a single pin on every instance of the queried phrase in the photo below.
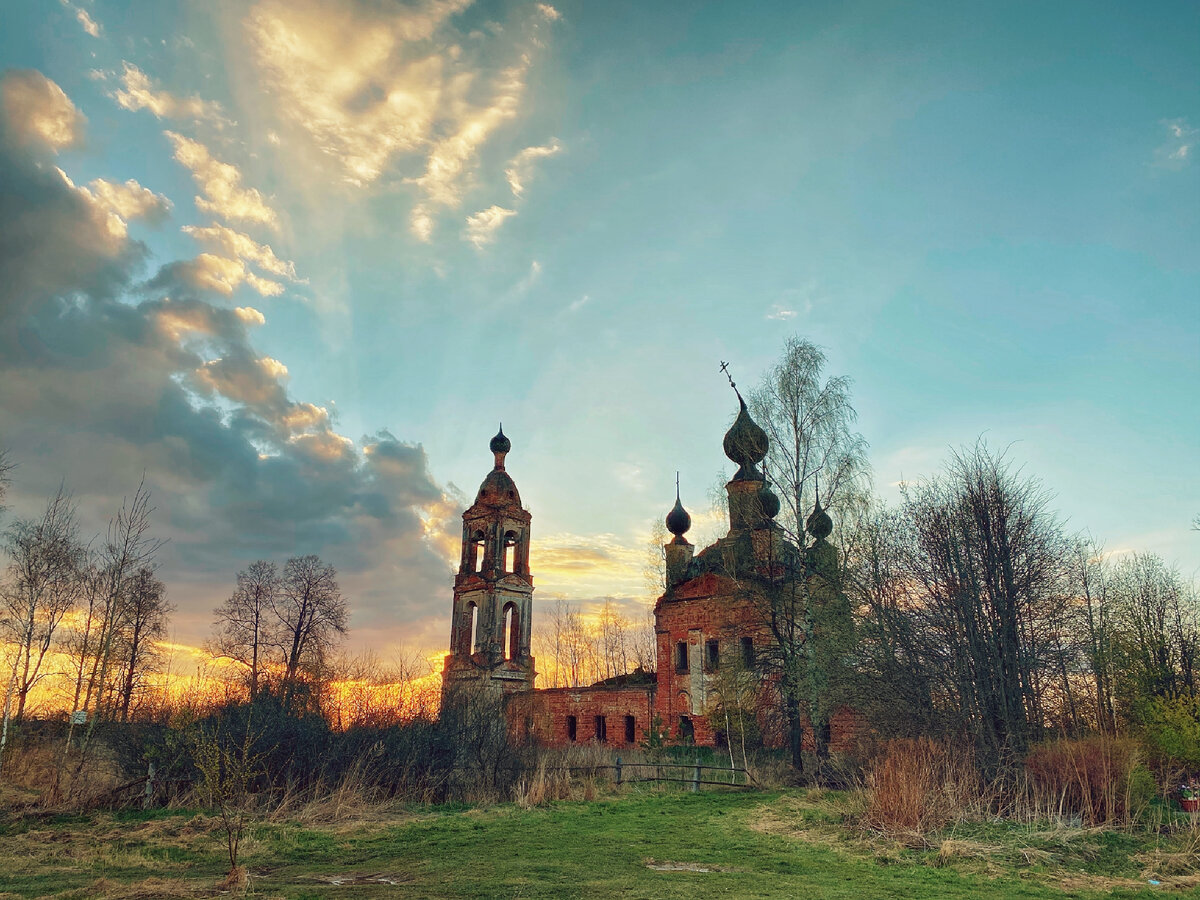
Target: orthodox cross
(725, 369)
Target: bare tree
(127, 548)
(809, 424)
(990, 561)
(41, 588)
(146, 611)
(245, 624)
(311, 618)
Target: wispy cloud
(1180, 146)
(221, 184)
(87, 22)
(781, 313)
(38, 112)
(520, 167)
(366, 84)
(235, 243)
(448, 160)
(139, 92)
(482, 227)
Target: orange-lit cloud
(482, 227)
(520, 167)
(38, 112)
(221, 184)
(139, 92)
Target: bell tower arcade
(493, 590)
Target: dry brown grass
(920, 786)
(1090, 778)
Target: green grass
(754, 845)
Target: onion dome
(678, 520)
(745, 443)
(819, 524)
(769, 502)
(500, 443)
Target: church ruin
(708, 621)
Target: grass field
(648, 845)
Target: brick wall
(546, 712)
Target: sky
(293, 262)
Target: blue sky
(564, 217)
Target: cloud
(87, 22)
(780, 313)
(105, 378)
(365, 84)
(451, 156)
(139, 92)
(520, 167)
(389, 84)
(221, 184)
(1180, 146)
(482, 227)
(37, 113)
(220, 274)
(130, 200)
(244, 247)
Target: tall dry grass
(1098, 780)
(919, 785)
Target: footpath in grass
(660, 845)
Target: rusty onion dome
(678, 520)
(500, 443)
(819, 524)
(745, 443)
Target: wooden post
(618, 770)
(696, 777)
(148, 793)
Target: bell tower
(493, 590)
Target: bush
(921, 785)
(1099, 779)
(1172, 729)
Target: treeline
(86, 615)
(981, 615)
(968, 610)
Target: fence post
(618, 770)
(148, 793)
(696, 777)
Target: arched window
(477, 545)
(512, 631)
(510, 551)
(473, 630)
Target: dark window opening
(572, 728)
(681, 656)
(601, 729)
(630, 734)
(712, 655)
(748, 652)
(720, 740)
(687, 731)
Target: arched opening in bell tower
(473, 629)
(510, 551)
(475, 559)
(512, 631)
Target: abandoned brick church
(706, 621)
